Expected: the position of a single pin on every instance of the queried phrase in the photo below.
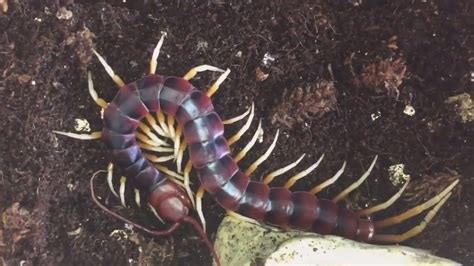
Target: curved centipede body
(216, 168)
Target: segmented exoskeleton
(218, 172)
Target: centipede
(163, 100)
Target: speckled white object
(243, 243)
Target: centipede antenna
(193, 71)
(384, 205)
(202, 234)
(137, 197)
(154, 148)
(262, 158)
(303, 173)
(151, 120)
(199, 195)
(158, 159)
(237, 118)
(415, 210)
(244, 128)
(90, 84)
(109, 70)
(251, 143)
(356, 184)
(215, 87)
(110, 168)
(156, 53)
(186, 181)
(391, 239)
(91, 136)
(165, 232)
(269, 178)
(328, 182)
(147, 130)
(123, 181)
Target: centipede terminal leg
(392, 239)
(417, 209)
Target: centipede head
(169, 201)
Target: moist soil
(335, 77)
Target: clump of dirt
(463, 107)
(305, 103)
(385, 76)
(17, 225)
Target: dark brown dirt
(44, 59)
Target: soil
(378, 57)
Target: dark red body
(210, 155)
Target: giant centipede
(216, 168)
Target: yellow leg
(237, 118)
(110, 175)
(193, 72)
(417, 209)
(328, 182)
(147, 130)
(199, 195)
(123, 181)
(149, 147)
(384, 205)
(162, 121)
(262, 158)
(391, 239)
(244, 128)
(92, 136)
(155, 213)
(158, 159)
(356, 184)
(156, 53)
(302, 174)
(151, 120)
(109, 70)
(187, 182)
(100, 102)
(269, 178)
(251, 143)
(213, 89)
(137, 197)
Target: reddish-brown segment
(210, 155)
